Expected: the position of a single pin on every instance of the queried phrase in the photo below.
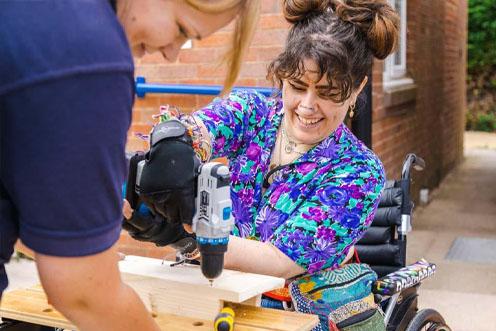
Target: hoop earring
(352, 110)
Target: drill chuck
(212, 258)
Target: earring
(352, 110)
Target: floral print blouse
(317, 207)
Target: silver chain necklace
(290, 145)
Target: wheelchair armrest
(404, 278)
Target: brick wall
(431, 124)
(202, 65)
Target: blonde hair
(243, 32)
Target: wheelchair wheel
(427, 320)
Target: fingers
(127, 211)
(177, 206)
(187, 207)
(188, 228)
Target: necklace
(290, 146)
(277, 161)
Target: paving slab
(464, 206)
(462, 311)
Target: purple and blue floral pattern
(317, 207)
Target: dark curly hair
(341, 36)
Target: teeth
(308, 121)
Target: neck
(291, 145)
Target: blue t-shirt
(66, 93)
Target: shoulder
(355, 160)
(47, 39)
(249, 98)
(245, 103)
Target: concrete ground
(463, 206)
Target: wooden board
(30, 305)
(183, 290)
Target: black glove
(167, 180)
(145, 226)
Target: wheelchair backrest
(381, 247)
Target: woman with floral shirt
(304, 188)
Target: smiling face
(165, 25)
(309, 115)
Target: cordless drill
(213, 220)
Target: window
(395, 64)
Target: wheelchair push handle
(414, 161)
(417, 163)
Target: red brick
(269, 38)
(198, 55)
(273, 21)
(268, 54)
(254, 70)
(166, 72)
(270, 6)
(219, 39)
(211, 70)
(153, 58)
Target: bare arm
(259, 258)
(89, 292)
(263, 258)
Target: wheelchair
(383, 247)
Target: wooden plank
(30, 305)
(233, 286)
(160, 296)
(183, 290)
(272, 319)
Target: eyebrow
(319, 87)
(299, 82)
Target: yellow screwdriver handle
(224, 321)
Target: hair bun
(377, 20)
(299, 10)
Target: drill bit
(177, 263)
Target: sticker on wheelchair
(404, 278)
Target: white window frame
(395, 74)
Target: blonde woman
(66, 93)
